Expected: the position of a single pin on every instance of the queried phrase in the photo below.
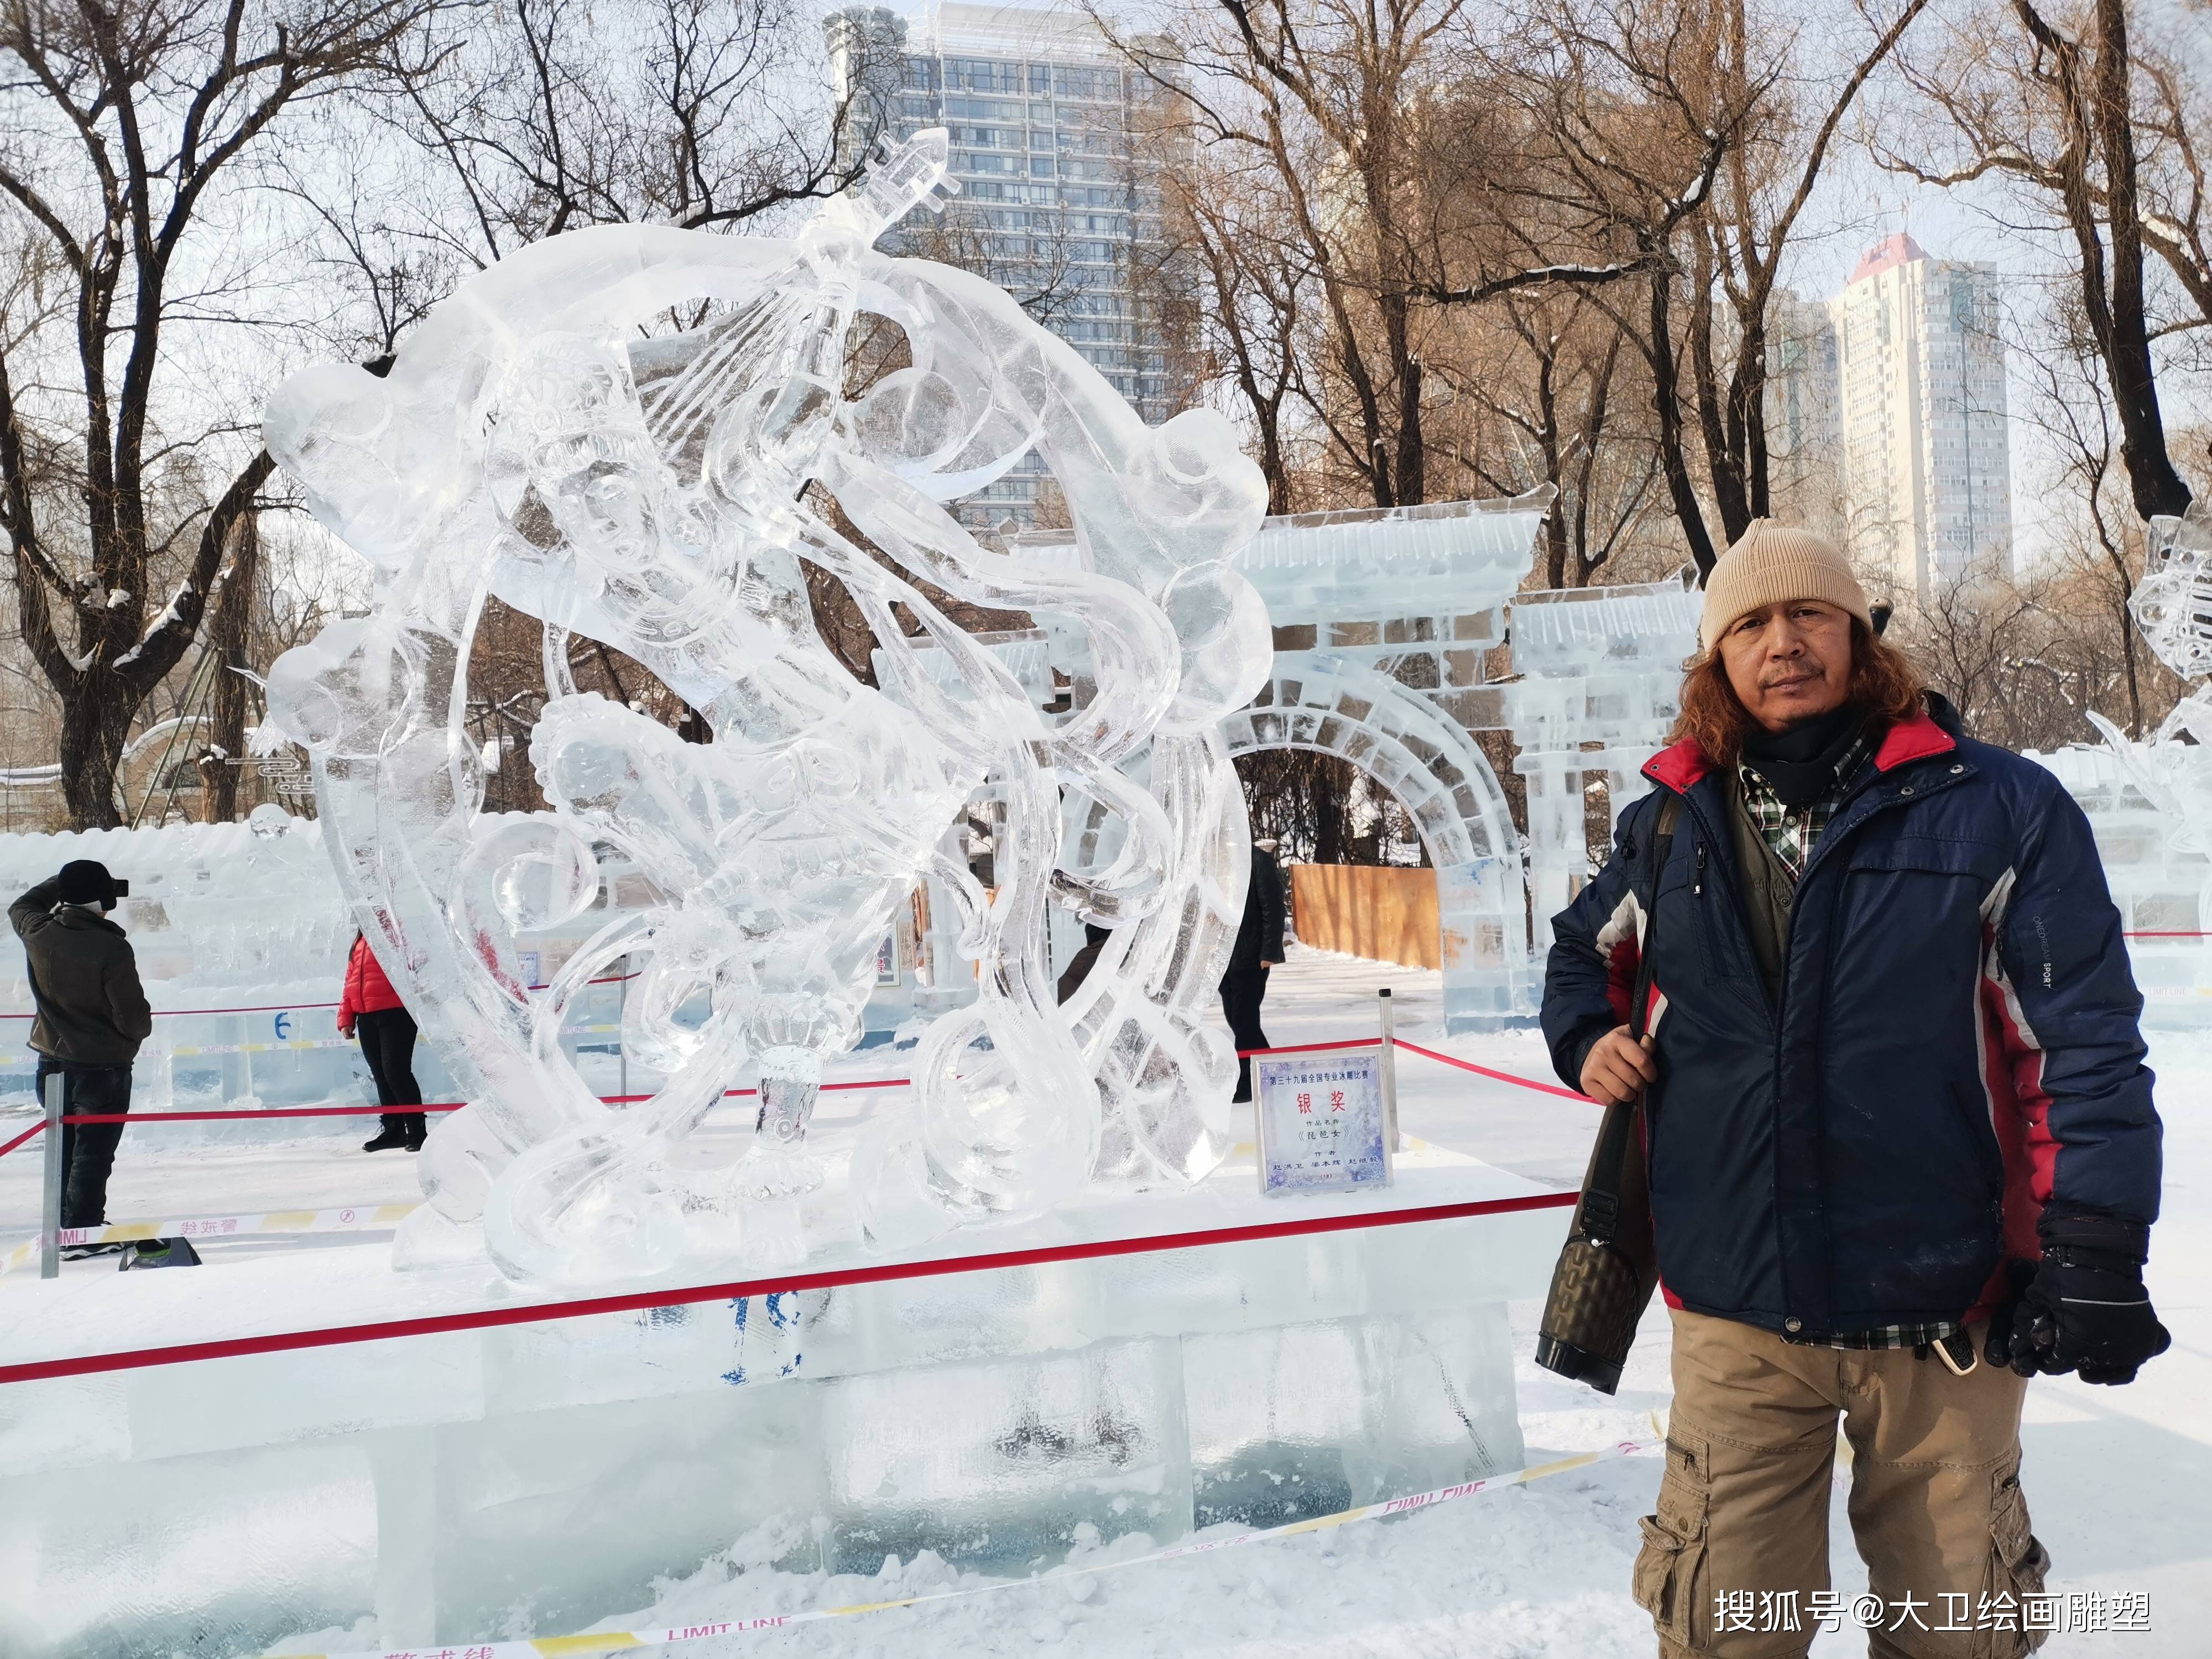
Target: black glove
(2086, 1309)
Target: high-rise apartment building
(1927, 460)
(1053, 203)
(1804, 416)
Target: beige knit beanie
(1774, 562)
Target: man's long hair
(1884, 688)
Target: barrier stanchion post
(622, 1019)
(1389, 1068)
(49, 1210)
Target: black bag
(1607, 1268)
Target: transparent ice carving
(2172, 604)
(2172, 609)
(550, 436)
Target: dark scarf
(1800, 764)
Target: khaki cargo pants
(1936, 1502)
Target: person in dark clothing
(1259, 947)
(370, 1006)
(92, 1015)
(1902, 1147)
(1078, 965)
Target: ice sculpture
(635, 433)
(2173, 608)
(2172, 604)
(1602, 677)
(2149, 803)
(1383, 618)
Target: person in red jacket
(372, 1007)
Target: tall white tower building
(1804, 416)
(1927, 461)
(1054, 203)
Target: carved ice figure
(2172, 604)
(2172, 609)
(550, 436)
(2150, 803)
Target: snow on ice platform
(470, 1478)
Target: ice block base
(536, 1478)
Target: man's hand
(1618, 1067)
(345, 1028)
(2083, 1308)
(2092, 1315)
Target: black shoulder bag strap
(1600, 1213)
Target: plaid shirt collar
(1793, 834)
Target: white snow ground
(2119, 1479)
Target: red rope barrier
(376, 1111)
(263, 1113)
(1502, 1077)
(295, 1007)
(611, 1100)
(482, 1319)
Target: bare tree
(1689, 139)
(700, 113)
(1563, 407)
(1632, 111)
(1250, 318)
(1740, 239)
(1324, 102)
(2061, 105)
(226, 635)
(1966, 635)
(127, 121)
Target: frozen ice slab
(538, 1476)
(995, 1464)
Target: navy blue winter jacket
(1956, 1043)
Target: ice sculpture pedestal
(539, 1476)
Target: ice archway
(1326, 703)
(1382, 621)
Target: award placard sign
(1321, 1123)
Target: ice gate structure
(1384, 623)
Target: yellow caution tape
(354, 1217)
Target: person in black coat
(1259, 947)
(92, 1015)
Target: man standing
(1259, 947)
(1900, 1138)
(92, 1015)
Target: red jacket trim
(1679, 766)
(1911, 740)
(2019, 1106)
